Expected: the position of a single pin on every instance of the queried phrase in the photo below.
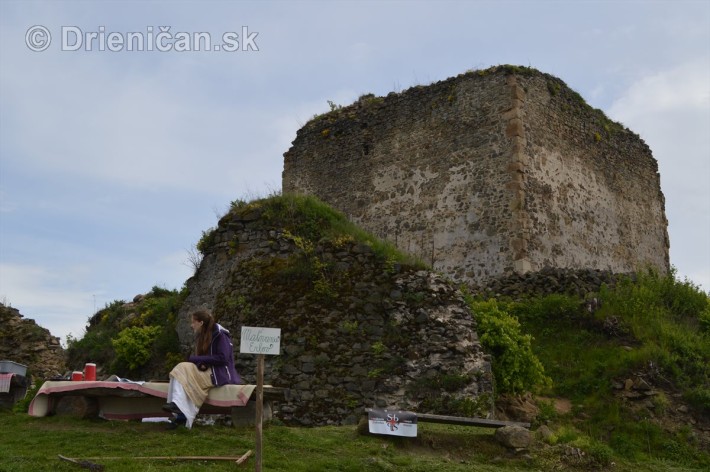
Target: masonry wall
(593, 197)
(486, 174)
(385, 336)
(23, 341)
(425, 169)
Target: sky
(122, 139)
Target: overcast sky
(113, 161)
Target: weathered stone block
(513, 437)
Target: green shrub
(157, 309)
(23, 405)
(454, 382)
(133, 345)
(308, 220)
(515, 367)
(600, 454)
(704, 319)
(698, 397)
(457, 405)
(378, 348)
(206, 240)
(567, 434)
(94, 346)
(554, 307)
(547, 411)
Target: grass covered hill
(629, 379)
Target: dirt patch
(516, 408)
(562, 406)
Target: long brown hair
(203, 338)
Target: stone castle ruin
(487, 174)
(374, 334)
(504, 179)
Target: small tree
(133, 345)
(515, 367)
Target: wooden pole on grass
(260, 341)
(259, 407)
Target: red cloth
(5, 380)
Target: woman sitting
(211, 365)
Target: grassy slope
(31, 444)
(655, 330)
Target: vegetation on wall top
(309, 219)
(556, 87)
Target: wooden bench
(462, 420)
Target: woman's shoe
(172, 425)
(171, 408)
(175, 423)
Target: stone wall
(592, 190)
(365, 332)
(424, 169)
(25, 342)
(584, 283)
(486, 174)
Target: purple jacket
(220, 358)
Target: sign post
(259, 408)
(260, 341)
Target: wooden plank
(274, 393)
(83, 463)
(269, 392)
(463, 421)
(238, 459)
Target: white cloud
(685, 87)
(670, 109)
(47, 296)
(157, 127)
(63, 299)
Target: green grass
(311, 220)
(32, 444)
(651, 327)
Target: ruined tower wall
(486, 174)
(425, 169)
(592, 188)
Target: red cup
(90, 372)
(77, 376)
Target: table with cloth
(132, 400)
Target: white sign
(393, 422)
(260, 341)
